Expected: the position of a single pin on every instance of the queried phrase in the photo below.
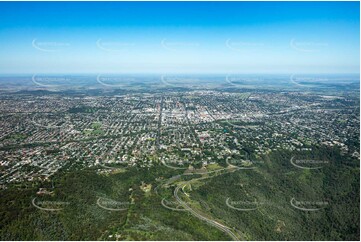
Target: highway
(211, 222)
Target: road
(211, 222)
(159, 123)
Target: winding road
(211, 222)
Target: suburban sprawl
(216, 152)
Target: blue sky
(179, 37)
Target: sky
(179, 37)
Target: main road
(211, 222)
